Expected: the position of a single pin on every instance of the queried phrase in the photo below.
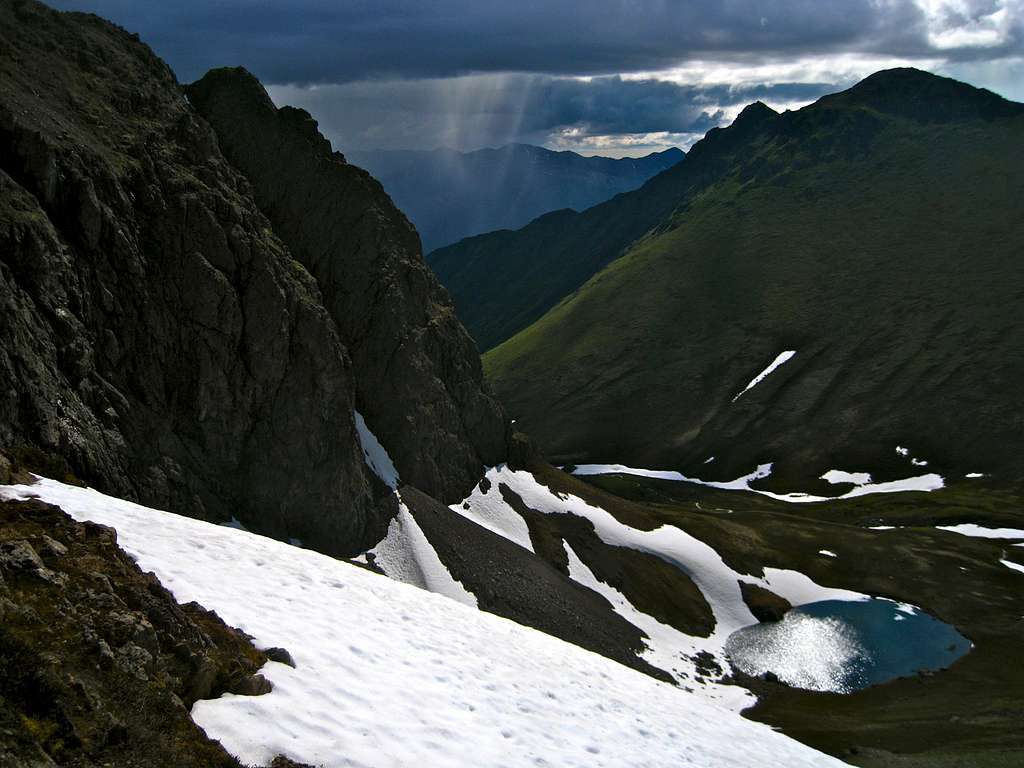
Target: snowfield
(391, 675)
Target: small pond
(843, 646)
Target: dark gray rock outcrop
(158, 335)
(419, 383)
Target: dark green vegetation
(450, 195)
(170, 330)
(503, 281)
(99, 665)
(876, 232)
(967, 715)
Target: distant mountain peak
(243, 82)
(922, 96)
(755, 113)
(450, 195)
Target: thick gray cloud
(321, 41)
(614, 76)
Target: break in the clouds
(617, 76)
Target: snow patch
(739, 484)
(827, 553)
(980, 532)
(376, 456)
(907, 608)
(782, 358)
(666, 647)
(800, 589)
(973, 475)
(387, 675)
(489, 510)
(1012, 565)
(838, 476)
(929, 482)
(406, 555)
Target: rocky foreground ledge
(99, 665)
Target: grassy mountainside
(450, 195)
(503, 281)
(876, 233)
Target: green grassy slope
(878, 233)
(503, 281)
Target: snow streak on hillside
(390, 675)
(779, 360)
(860, 480)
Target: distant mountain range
(877, 234)
(450, 195)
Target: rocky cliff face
(158, 334)
(418, 376)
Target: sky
(611, 77)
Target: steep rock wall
(418, 377)
(155, 332)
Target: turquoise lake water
(842, 646)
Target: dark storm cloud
(473, 73)
(490, 110)
(319, 41)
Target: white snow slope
(390, 675)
